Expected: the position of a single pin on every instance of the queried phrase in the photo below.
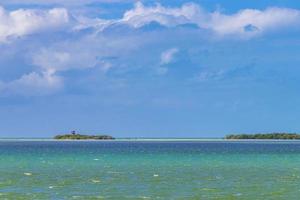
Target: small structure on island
(73, 132)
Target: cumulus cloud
(245, 23)
(141, 15)
(84, 53)
(33, 84)
(168, 56)
(60, 2)
(56, 59)
(21, 22)
(49, 62)
(95, 42)
(250, 22)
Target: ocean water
(149, 170)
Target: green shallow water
(149, 170)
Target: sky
(149, 68)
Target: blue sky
(149, 68)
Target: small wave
(96, 181)
(144, 197)
(238, 194)
(113, 172)
(208, 189)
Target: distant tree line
(74, 136)
(280, 136)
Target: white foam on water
(96, 181)
(238, 194)
(96, 159)
(27, 174)
(51, 187)
(144, 197)
(112, 172)
(155, 175)
(208, 189)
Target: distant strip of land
(83, 137)
(268, 136)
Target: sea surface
(149, 170)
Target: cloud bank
(109, 44)
(60, 2)
(21, 22)
(244, 23)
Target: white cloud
(141, 15)
(22, 22)
(250, 22)
(168, 56)
(60, 2)
(244, 23)
(98, 24)
(95, 48)
(209, 75)
(84, 53)
(105, 66)
(54, 60)
(33, 84)
(76, 55)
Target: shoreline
(221, 140)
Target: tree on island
(76, 136)
(270, 136)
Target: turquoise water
(149, 170)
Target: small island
(268, 136)
(76, 136)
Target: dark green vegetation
(83, 137)
(280, 136)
